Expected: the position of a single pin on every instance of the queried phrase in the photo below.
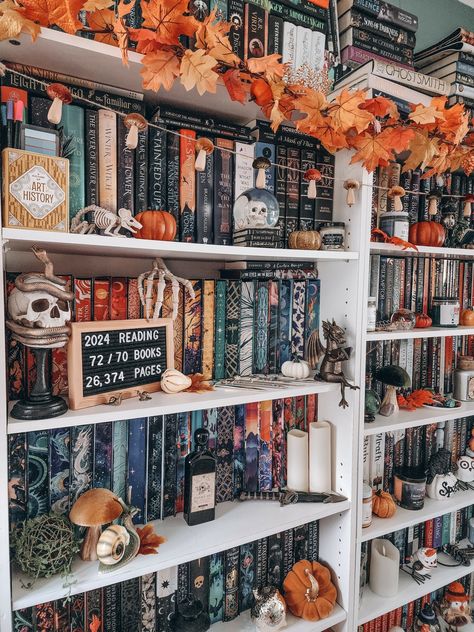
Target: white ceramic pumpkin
(465, 471)
(297, 369)
(173, 381)
(442, 487)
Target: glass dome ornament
(402, 319)
(256, 208)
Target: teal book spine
(72, 123)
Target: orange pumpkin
(261, 92)
(427, 234)
(423, 321)
(159, 225)
(467, 317)
(383, 504)
(309, 591)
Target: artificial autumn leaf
(212, 35)
(381, 107)
(121, 33)
(311, 103)
(97, 5)
(415, 400)
(346, 113)
(397, 138)
(95, 624)
(332, 139)
(422, 150)
(234, 85)
(124, 8)
(372, 152)
(425, 115)
(276, 116)
(61, 13)
(13, 21)
(160, 69)
(102, 22)
(146, 40)
(455, 125)
(270, 66)
(167, 19)
(149, 540)
(197, 71)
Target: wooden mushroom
(467, 209)
(434, 198)
(94, 509)
(262, 164)
(204, 147)
(134, 123)
(351, 187)
(312, 176)
(396, 193)
(393, 377)
(60, 94)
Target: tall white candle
(320, 456)
(297, 460)
(384, 568)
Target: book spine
(92, 157)
(354, 56)
(298, 319)
(94, 607)
(220, 327)
(380, 44)
(285, 324)
(262, 562)
(260, 359)
(289, 46)
(303, 51)
(275, 35)
(325, 163)
(216, 587)
(251, 447)
(393, 33)
(280, 190)
(291, 14)
(313, 541)
(187, 184)
(231, 591)
(247, 575)
(101, 299)
(292, 189)
(148, 603)
(377, 457)
(224, 452)
(307, 205)
(239, 449)
(37, 478)
(243, 170)
(125, 170)
(273, 337)
(102, 467)
(232, 327)
(199, 581)
(193, 330)
(72, 124)
(112, 609)
(361, 44)
(205, 203)
(169, 466)
(265, 452)
(137, 466)
(17, 479)
(246, 347)
(81, 461)
(256, 31)
(387, 13)
(300, 543)
(77, 613)
(275, 560)
(166, 587)
(235, 11)
(183, 440)
(155, 455)
(141, 172)
(130, 604)
(171, 183)
(108, 160)
(208, 328)
(223, 193)
(157, 169)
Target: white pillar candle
(320, 456)
(384, 568)
(297, 460)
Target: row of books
(231, 326)
(222, 582)
(376, 29)
(384, 453)
(142, 460)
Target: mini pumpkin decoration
(427, 234)
(304, 239)
(297, 369)
(173, 381)
(442, 487)
(309, 591)
(423, 321)
(467, 317)
(383, 504)
(159, 225)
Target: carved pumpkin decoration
(442, 487)
(159, 225)
(427, 234)
(309, 591)
(423, 321)
(467, 317)
(383, 504)
(305, 239)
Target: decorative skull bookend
(39, 312)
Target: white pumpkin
(173, 381)
(465, 471)
(442, 487)
(297, 369)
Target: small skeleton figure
(161, 271)
(111, 223)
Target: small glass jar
(371, 313)
(445, 311)
(409, 488)
(395, 224)
(333, 235)
(366, 506)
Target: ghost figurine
(425, 560)
(255, 208)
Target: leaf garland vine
(435, 137)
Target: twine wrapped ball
(46, 546)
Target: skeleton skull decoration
(255, 208)
(39, 309)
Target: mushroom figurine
(351, 186)
(261, 164)
(95, 508)
(393, 377)
(396, 193)
(60, 94)
(467, 209)
(312, 176)
(134, 123)
(434, 198)
(204, 148)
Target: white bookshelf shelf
(166, 404)
(21, 240)
(423, 251)
(235, 524)
(243, 623)
(405, 518)
(429, 332)
(420, 417)
(373, 606)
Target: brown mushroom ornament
(95, 508)
(60, 94)
(261, 164)
(396, 193)
(351, 186)
(312, 176)
(134, 123)
(204, 147)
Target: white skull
(257, 214)
(38, 309)
(465, 471)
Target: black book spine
(247, 575)
(141, 173)
(157, 163)
(183, 588)
(205, 203)
(307, 205)
(256, 31)
(405, 182)
(292, 189)
(172, 181)
(290, 13)
(280, 190)
(288, 560)
(236, 34)
(223, 191)
(313, 541)
(112, 608)
(275, 560)
(231, 589)
(388, 13)
(199, 581)
(125, 170)
(169, 466)
(425, 186)
(155, 466)
(382, 44)
(325, 188)
(130, 604)
(414, 197)
(262, 562)
(389, 31)
(275, 35)
(92, 157)
(300, 544)
(38, 114)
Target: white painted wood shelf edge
(243, 623)
(423, 251)
(429, 332)
(235, 524)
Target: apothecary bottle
(200, 481)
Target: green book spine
(445, 536)
(72, 123)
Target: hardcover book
(187, 185)
(108, 160)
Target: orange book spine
(187, 184)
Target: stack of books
(373, 29)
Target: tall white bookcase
(344, 281)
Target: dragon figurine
(335, 354)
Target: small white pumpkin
(298, 369)
(442, 487)
(173, 381)
(465, 471)
(112, 544)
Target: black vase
(190, 617)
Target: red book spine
(82, 300)
(101, 299)
(133, 302)
(187, 184)
(410, 614)
(59, 361)
(118, 299)
(428, 533)
(311, 408)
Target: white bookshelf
(390, 250)
(428, 332)
(243, 623)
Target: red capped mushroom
(261, 164)
(351, 187)
(204, 147)
(396, 193)
(60, 94)
(134, 123)
(468, 200)
(312, 176)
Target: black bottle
(200, 481)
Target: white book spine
(289, 45)
(318, 44)
(409, 368)
(244, 172)
(303, 48)
(366, 460)
(377, 456)
(411, 78)
(108, 160)
(403, 354)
